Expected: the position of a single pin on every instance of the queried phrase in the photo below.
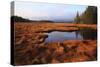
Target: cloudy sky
(47, 11)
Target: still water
(82, 34)
(61, 36)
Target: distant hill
(45, 21)
(19, 19)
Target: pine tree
(77, 19)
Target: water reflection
(61, 36)
(83, 33)
(88, 33)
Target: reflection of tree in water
(88, 33)
(76, 34)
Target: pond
(61, 36)
(82, 34)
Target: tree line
(88, 17)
